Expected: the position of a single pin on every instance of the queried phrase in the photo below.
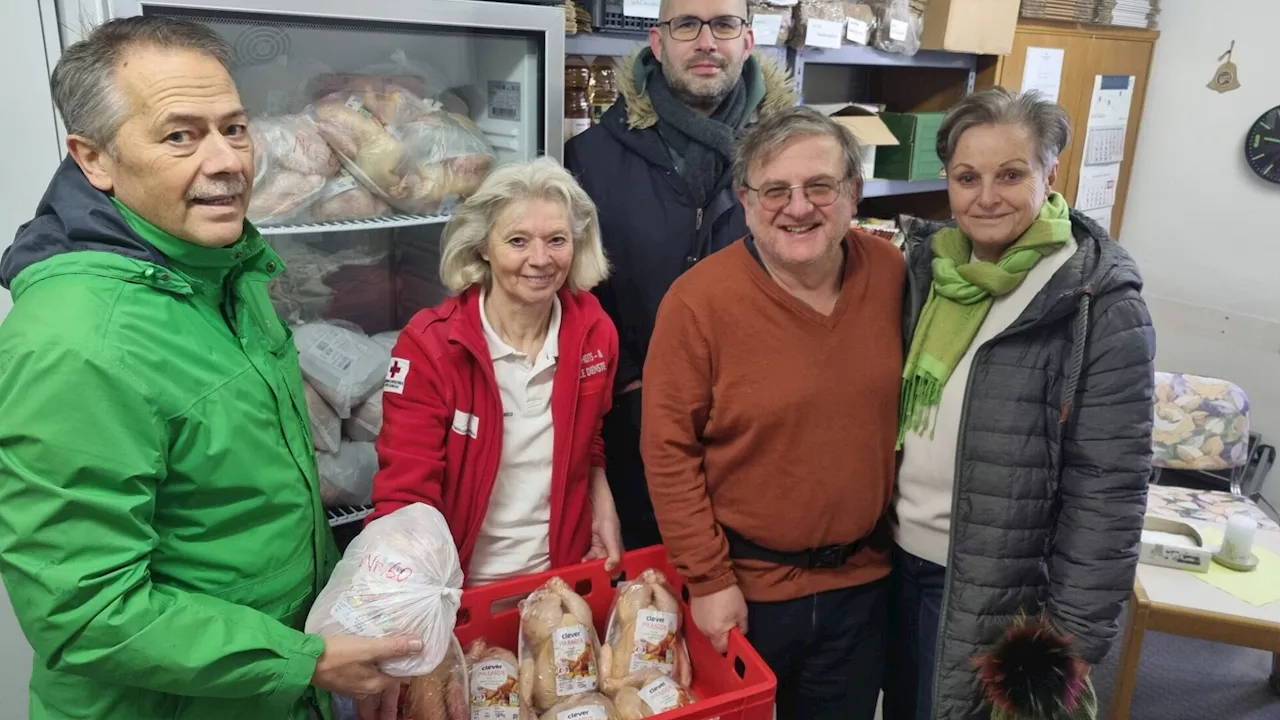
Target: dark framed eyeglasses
(820, 193)
(686, 28)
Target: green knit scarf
(959, 300)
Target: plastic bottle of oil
(604, 88)
(577, 101)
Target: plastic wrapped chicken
(291, 165)
(492, 678)
(587, 706)
(648, 693)
(558, 649)
(440, 694)
(644, 633)
(399, 577)
(346, 476)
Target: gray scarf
(704, 143)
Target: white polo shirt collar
(499, 349)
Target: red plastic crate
(734, 686)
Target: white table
(1180, 603)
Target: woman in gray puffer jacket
(1026, 414)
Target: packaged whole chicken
(343, 198)
(440, 694)
(644, 633)
(344, 366)
(408, 151)
(398, 70)
(399, 577)
(326, 428)
(586, 706)
(558, 650)
(291, 165)
(366, 420)
(346, 476)
(492, 678)
(648, 693)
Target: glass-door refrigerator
(371, 120)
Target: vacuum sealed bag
(344, 366)
(399, 577)
(648, 693)
(492, 678)
(558, 649)
(587, 706)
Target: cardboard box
(865, 124)
(1192, 555)
(915, 157)
(984, 27)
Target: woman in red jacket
(494, 400)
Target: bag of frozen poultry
(399, 577)
(644, 633)
(291, 164)
(326, 428)
(346, 476)
(408, 151)
(492, 678)
(440, 694)
(318, 265)
(366, 420)
(343, 198)
(397, 70)
(558, 648)
(648, 693)
(586, 706)
(344, 366)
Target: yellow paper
(1260, 586)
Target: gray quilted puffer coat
(1052, 462)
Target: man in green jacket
(161, 533)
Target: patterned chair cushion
(1200, 423)
(1179, 503)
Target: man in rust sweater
(770, 416)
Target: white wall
(1201, 225)
(28, 39)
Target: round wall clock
(1262, 146)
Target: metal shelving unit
(887, 188)
(348, 514)
(382, 223)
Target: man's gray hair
(764, 139)
(1045, 120)
(84, 81)
(467, 233)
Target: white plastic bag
(400, 576)
(326, 428)
(344, 198)
(344, 366)
(399, 70)
(291, 164)
(346, 477)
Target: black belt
(827, 557)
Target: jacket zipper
(979, 354)
(698, 224)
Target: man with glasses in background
(658, 167)
(770, 419)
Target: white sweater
(926, 479)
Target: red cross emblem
(395, 370)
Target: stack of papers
(1063, 10)
(1128, 13)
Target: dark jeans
(626, 472)
(913, 623)
(826, 649)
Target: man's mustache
(719, 60)
(207, 188)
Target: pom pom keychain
(1031, 673)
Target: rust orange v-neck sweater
(764, 416)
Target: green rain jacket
(161, 533)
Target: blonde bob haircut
(467, 234)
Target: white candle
(1237, 544)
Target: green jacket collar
(203, 264)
